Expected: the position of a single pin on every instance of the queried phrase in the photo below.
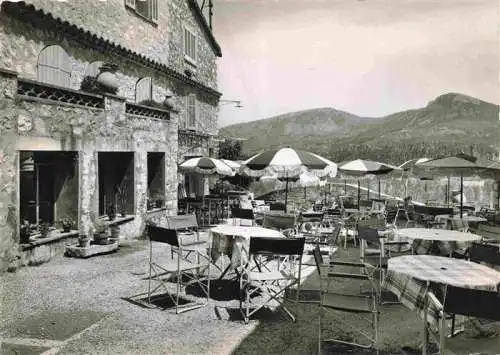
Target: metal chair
(243, 216)
(187, 228)
(469, 303)
(183, 272)
(271, 284)
(347, 302)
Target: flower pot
(108, 81)
(115, 234)
(83, 241)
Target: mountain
(449, 124)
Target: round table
(447, 271)
(471, 219)
(444, 235)
(246, 232)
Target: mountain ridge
(447, 123)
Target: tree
(230, 149)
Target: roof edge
(28, 13)
(193, 5)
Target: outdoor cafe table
(425, 238)
(409, 277)
(234, 241)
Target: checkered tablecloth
(234, 241)
(409, 277)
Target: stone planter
(108, 82)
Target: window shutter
(191, 111)
(54, 66)
(153, 6)
(143, 90)
(130, 3)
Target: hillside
(448, 124)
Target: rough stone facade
(48, 125)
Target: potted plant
(111, 211)
(44, 229)
(100, 232)
(159, 202)
(24, 232)
(67, 224)
(83, 241)
(121, 194)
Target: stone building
(99, 101)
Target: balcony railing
(146, 111)
(35, 89)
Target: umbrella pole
(359, 192)
(368, 191)
(461, 194)
(286, 194)
(345, 187)
(305, 192)
(448, 191)
(379, 188)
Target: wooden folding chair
(242, 216)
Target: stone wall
(35, 125)
(162, 41)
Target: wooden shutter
(191, 111)
(143, 89)
(54, 66)
(130, 3)
(153, 10)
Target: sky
(366, 57)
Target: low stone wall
(475, 190)
(42, 251)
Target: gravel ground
(80, 302)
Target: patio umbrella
(286, 164)
(206, 166)
(360, 167)
(305, 180)
(460, 163)
(234, 165)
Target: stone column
(9, 211)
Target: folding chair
(374, 252)
(347, 302)
(469, 303)
(271, 284)
(242, 216)
(182, 272)
(351, 225)
(188, 230)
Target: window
(191, 111)
(145, 8)
(48, 186)
(116, 182)
(144, 90)
(156, 180)
(54, 66)
(189, 46)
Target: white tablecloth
(234, 241)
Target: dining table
(234, 241)
(432, 240)
(410, 277)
